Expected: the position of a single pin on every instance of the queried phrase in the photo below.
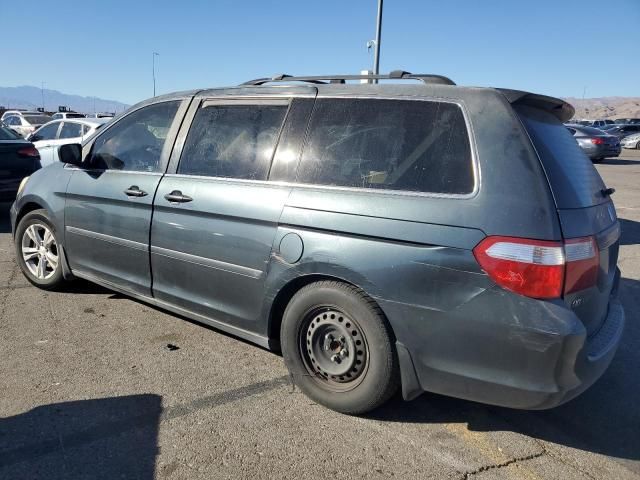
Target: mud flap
(410, 385)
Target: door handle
(134, 191)
(176, 196)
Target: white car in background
(51, 135)
(65, 115)
(631, 141)
(24, 123)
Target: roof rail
(324, 79)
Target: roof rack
(325, 79)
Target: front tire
(339, 347)
(38, 251)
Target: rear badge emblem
(576, 302)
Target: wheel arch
(27, 207)
(30, 204)
(286, 293)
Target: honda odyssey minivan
(407, 234)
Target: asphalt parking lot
(90, 389)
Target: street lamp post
(376, 54)
(154, 71)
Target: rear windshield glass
(8, 134)
(574, 180)
(37, 119)
(75, 115)
(408, 145)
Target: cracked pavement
(89, 389)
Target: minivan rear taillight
(581, 255)
(539, 268)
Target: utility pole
(376, 54)
(154, 71)
(42, 92)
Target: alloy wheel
(40, 251)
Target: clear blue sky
(104, 48)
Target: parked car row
(606, 122)
(621, 130)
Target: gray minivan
(411, 233)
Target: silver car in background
(631, 141)
(24, 123)
(50, 136)
(595, 143)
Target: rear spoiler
(562, 110)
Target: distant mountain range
(606, 107)
(31, 98)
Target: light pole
(154, 71)
(376, 53)
(42, 92)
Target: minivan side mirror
(70, 153)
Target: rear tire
(638, 146)
(597, 160)
(339, 347)
(38, 250)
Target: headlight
(22, 184)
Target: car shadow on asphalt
(619, 161)
(106, 438)
(605, 419)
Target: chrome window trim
(175, 157)
(456, 196)
(418, 98)
(183, 105)
(111, 171)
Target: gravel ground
(89, 389)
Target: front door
(109, 202)
(45, 140)
(215, 217)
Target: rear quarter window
(406, 145)
(574, 180)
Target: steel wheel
(40, 251)
(334, 349)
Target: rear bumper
(600, 151)
(533, 357)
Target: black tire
(638, 146)
(597, 160)
(370, 354)
(52, 277)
